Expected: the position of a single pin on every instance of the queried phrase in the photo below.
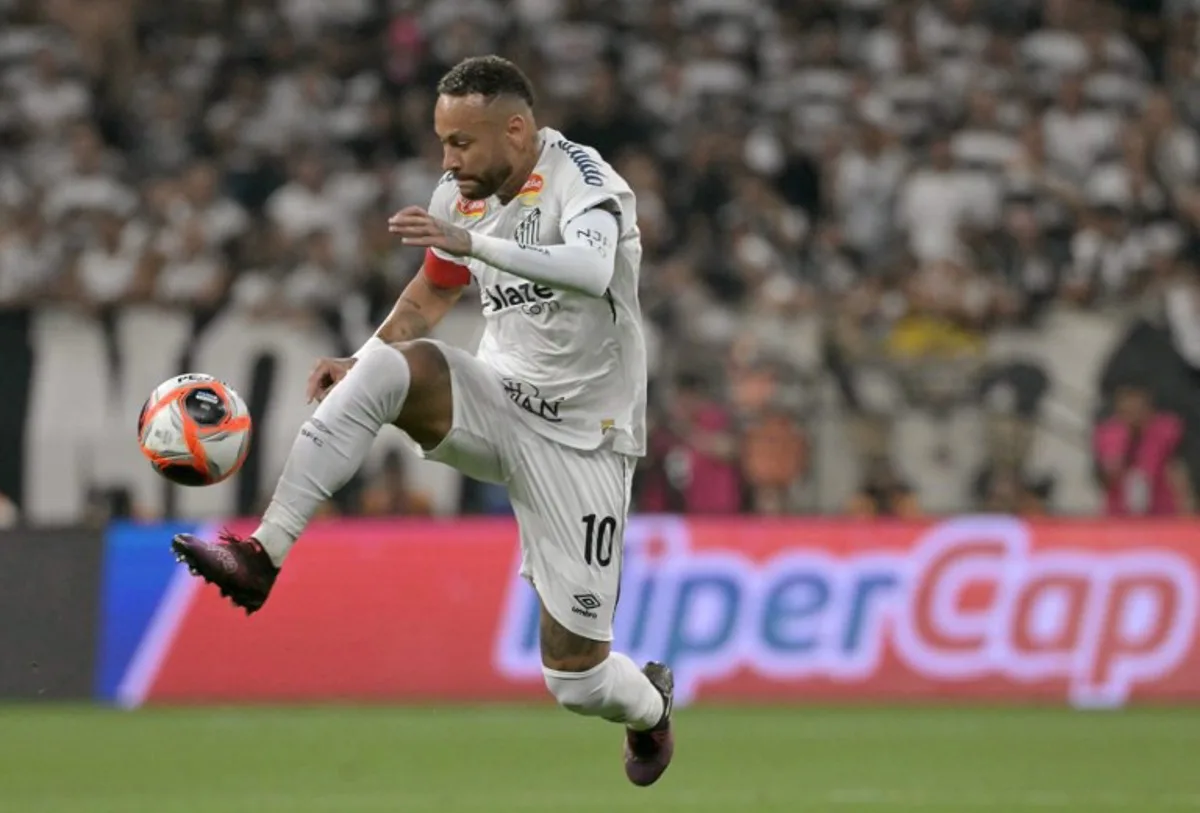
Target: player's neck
(521, 171)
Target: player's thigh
(571, 507)
(468, 412)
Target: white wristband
(372, 342)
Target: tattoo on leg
(567, 652)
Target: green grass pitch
(527, 760)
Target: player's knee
(426, 362)
(377, 383)
(428, 411)
(583, 693)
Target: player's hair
(488, 76)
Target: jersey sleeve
(589, 182)
(441, 269)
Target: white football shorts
(571, 505)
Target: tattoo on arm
(405, 323)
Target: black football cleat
(648, 753)
(240, 568)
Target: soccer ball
(194, 430)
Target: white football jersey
(574, 364)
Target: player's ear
(517, 128)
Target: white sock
(615, 690)
(333, 444)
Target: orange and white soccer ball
(195, 430)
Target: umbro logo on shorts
(586, 603)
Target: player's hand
(325, 377)
(417, 227)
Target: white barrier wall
(86, 393)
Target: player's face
(479, 143)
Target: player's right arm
(424, 302)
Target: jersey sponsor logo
(528, 196)
(529, 398)
(969, 599)
(588, 166)
(529, 230)
(471, 208)
(530, 298)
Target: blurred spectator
(1007, 490)
(1137, 457)
(774, 461)
(868, 179)
(1028, 263)
(114, 267)
(1108, 257)
(691, 466)
(32, 257)
(47, 99)
(389, 493)
(933, 204)
(882, 493)
(88, 181)
(1076, 135)
(191, 273)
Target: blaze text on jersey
(530, 298)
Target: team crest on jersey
(529, 231)
(471, 208)
(531, 190)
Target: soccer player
(552, 405)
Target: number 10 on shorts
(600, 533)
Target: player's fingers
(410, 223)
(407, 212)
(403, 228)
(326, 387)
(311, 390)
(316, 383)
(425, 229)
(322, 377)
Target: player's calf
(588, 678)
(408, 385)
(614, 689)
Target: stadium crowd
(824, 186)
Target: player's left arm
(584, 262)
